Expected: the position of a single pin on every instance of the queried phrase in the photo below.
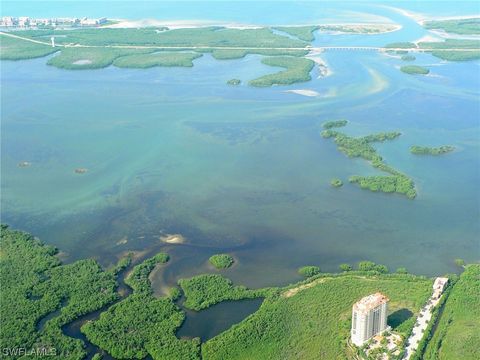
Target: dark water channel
(210, 322)
(73, 329)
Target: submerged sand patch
(173, 239)
(82, 62)
(304, 92)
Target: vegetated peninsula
(414, 70)
(15, 49)
(469, 26)
(361, 147)
(359, 28)
(296, 70)
(203, 291)
(304, 33)
(309, 271)
(450, 49)
(425, 150)
(454, 49)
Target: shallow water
(240, 169)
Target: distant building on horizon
(369, 318)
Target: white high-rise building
(369, 318)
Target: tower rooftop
(370, 302)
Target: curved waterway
(208, 323)
(72, 329)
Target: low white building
(438, 286)
(92, 22)
(369, 318)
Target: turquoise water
(240, 169)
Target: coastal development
(26, 22)
(318, 308)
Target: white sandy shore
(382, 28)
(182, 24)
(429, 38)
(423, 18)
(322, 65)
(177, 24)
(439, 18)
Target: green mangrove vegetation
(202, 291)
(425, 150)
(336, 182)
(297, 70)
(459, 262)
(201, 37)
(304, 33)
(171, 58)
(357, 28)
(401, 45)
(17, 49)
(366, 265)
(229, 54)
(221, 261)
(312, 318)
(457, 55)
(362, 147)
(39, 285)
(141, 324)
(450, 49)
(234, 82)
(345, 267)
(137, 279)
(456, 335)
(457, 26)
(90, 58)
(309, 271)
(386, 184)
(414, 70)
(334, 124)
